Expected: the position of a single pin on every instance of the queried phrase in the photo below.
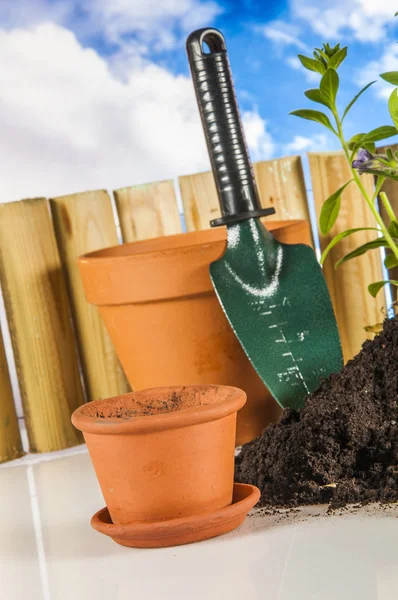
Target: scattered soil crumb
(342, 447)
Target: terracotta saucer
(174, 532)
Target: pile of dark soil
(342, 447)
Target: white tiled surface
(49, 552)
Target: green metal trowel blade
(276, 300)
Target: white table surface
(48, 550)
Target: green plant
(326, 61)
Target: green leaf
(311, 64)
(355, 98)
(338, 58)
(374, 288)
(390, 261)
(393, 106)
(391, 77)
(393, 229)
(329, 86)
(329, 213)
(371, 146)
(315, 96)
(389, 154)
(314, 115)
(340, 236)
(330, 210)
(376, 328)
(378, 243)
(355, 142)
(360, 141)
(380, 133)
(320, 53)
(320, 59)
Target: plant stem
(379, 182)
(387, 206)
(369, 201)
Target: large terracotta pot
(158, 304)
(163, 453)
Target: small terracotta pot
(163, 453)
(158, 304)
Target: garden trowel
(274, 295)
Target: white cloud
(155, 21)
(365, 20)
(299, 144)
(159, 23)
(283, 34)
(69, 124)
(24, 13)
(310, 76)
(259, 140)
(372, 70)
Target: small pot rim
(159, 422)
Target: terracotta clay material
(163, 453)
(158, 304)
(175, 532)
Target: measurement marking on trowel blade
(286, 377)
(277, 325)
(295, 368)
(294, 371)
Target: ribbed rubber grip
(229, 156)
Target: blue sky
(97, 93)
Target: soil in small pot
(130, 407)
(141, 409)
(342, 447)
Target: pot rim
(159, 422)
(163, 268)
(166, 244)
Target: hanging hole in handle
(205, 47)
(212, 42)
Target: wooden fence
(62, 352)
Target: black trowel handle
(232, 169)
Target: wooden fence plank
(280, 184)
(147, 211)
(353, 305)
(200, 201)
(84, 223)
(37, 308)
(390, 187)
(10, 438)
